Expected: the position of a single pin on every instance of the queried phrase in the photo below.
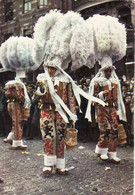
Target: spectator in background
(6, 117)
(82, 122)
(35, 123)
(132, 122)
(127, 101)
(28, 127)
(124, 89)
(2, 129)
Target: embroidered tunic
(15, 99)
(107, 116)
(52, 124)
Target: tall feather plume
(24, 51)
(15, 54)
(82, 47)
(12, 52)
(109, 37)
(69, 40)
(3, 54)
(43, 33)
(61, 44)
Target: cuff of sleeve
(101, 96)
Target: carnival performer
(15, 56)
(106, 86)
(17, 98)
(56, 95)
(110, 46)
(57, 45)
(54, 87)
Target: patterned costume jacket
(107, 116)
(52, 125)
(14, 93)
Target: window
(6, 36)
(8, 11)
(27, 6)
(43, 3)
(27, 33)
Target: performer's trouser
(108, 127)
(15, 113)
(52, 128)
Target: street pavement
(21, 172)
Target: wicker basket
(71, 138)
(121, 135)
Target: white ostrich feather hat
(109, 38)
(15, 55)
(66, 37)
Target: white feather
(109, 37)
(42, 30)
(3, 54)
(12, 52)
(70, 41)
(22, 52)
(15, 54)
(63, 38)
(82, 47)
(66, 38)
(65, 29)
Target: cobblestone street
(21, 172)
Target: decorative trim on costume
(17, 143)
(49, 160)
(101, 96)
(60, 163)
(112, 154)
(38, 92)
(10, 136)
(101, 151)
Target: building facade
(18, 17)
